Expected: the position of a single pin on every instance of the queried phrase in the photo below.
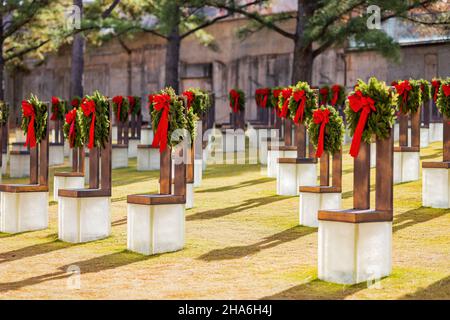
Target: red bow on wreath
(28, 112)
(321, 117)
(75, 102)
(324, 94)
(261, 96)
(88, 108)
(436, 84)
(55, 105)
(276, 94)
(234, 101)
(336, 89)
(300, 98)
(358, 102)
(132, 102)
(71, 117)
(189, 97)
(162, 103)
(403, 89)
(118, 100)
(446, 89)
(286, 94)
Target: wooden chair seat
(156, 199)
(17, 188)
(17, 152)
(56, 143)
(406, 149)
(119, 145)
(297, 160)
(282, 148)
(69, 174)
(436, 164)
(320, 189)
(146, 146)
(84, 193)
(355, 215)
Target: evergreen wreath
(285, 94)
(240, 101)
(75, 102)
(134, 103)
(4, 112)
(260, 95)
(409, 96)
(122, 114)
(334, 131)
(295, 102)
(58, 109)
(102, 120)
(380, 121)
(324, 95)
(337, 95)
(443, 98)
(435, 85)
(198, 100)
(425, 87)
(275, 93)
(40, 120)
(78, 141)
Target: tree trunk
(77, 67)
(303, 54)
(173, 53)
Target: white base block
(55, 155)
(351, 253)
(84, 219)
(293, 175)
(67, 149)
(119, 158)
(114, 133)
(436, 131)
(189, 195)
(132, 148)
(146, 136)
(373, 155)
(272, 162)
(19, 165)
(424, 137)
(5, 157)
(198, 172)
(155, 228)
(396, 132)
(406, 166)
(311, 203)
(204, 158)
(23, 211)
(148, 159)
(66, 183)
(20, 136)
(436, 187)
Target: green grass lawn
(242, 242)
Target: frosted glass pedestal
(406, 166)
(155, 228)
(436, 187)
(148, 158)
(146, 135)
(67, 182)
(198, 172)
(204, 158)
(19, 164)
(351, 253)
(272, 162)
(373, 155)
(424, 137)
(23, 211)
(132, 147)
(67, 149)
(436, 131)
(293, 175)
(312, 202)
(55, 154)
(189, 195)
(84, 219)
(119, 156)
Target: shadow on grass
(238, 252)
(229, 170)
(33, 250)
(432, 156)
(106, 262)
(237, 186)
(438, 290)
(318, 289)
(245, 205)
(412, 217)
(349, 194)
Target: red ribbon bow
(261, 96)
(88, 107)
(446, 89)
(55, 105)
(403, 89)
(162, 102)
(75, 102)
(70, 119)
(286, 93)
(358, 102)
(132, 103)
(321, 117)
(189, 97)
(118, 100)
(300, 98)
(436, 84)
(276, 94)
(28, 112)
(336, 89)
(324, 94)
(234, 101)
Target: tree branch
(108, 11)
(204, 25)
(26, 50)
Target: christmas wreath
(435, 84)
(262, 97)
(409, 96)
(72, 128)
(75, 102)
(275, 95)
(237, 100)
(94, 122)
(120, 108)
(198, 100)
(326, 130)
(58, 109)
(134, 103)
(337, 95)
(425, 88)
(302, 103)
(443, 98)
(4, 112)
(324, 95)
(34, 120)
(168, 115)
(370, 111)
(283, 102)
